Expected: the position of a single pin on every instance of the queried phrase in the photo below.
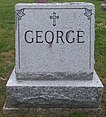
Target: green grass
(7, 46)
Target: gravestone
(54, 58)
(58, 47)
(104, 5)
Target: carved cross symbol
(54, 17)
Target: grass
(7, 47)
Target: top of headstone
(68, 4)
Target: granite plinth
(53, 112)
(53, 94)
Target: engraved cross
(54, 17)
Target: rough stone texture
(103, 6)
(53, 112)
(55, 57)
(54, 76)
(64, 93)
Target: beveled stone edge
(95, 81)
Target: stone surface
(54, 76)
(61, 94)
(55, 41)
(53, 112)
(55, 48)
(103, 6)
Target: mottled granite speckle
(85, 94)
(55, 38)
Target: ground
(7, 49)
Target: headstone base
(53, 112)
(53, 94)
(103, 6)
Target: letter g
(26, 39)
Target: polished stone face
(55, 39)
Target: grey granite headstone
(55, 41)
(55, 48)
(103, 5)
